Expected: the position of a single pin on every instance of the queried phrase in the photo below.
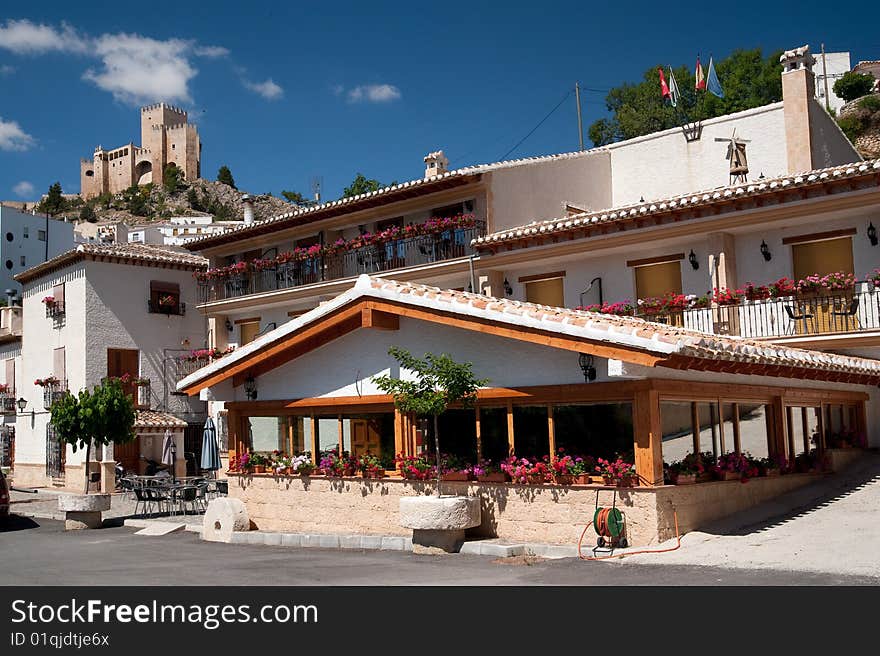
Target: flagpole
(577, 95)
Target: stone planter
(438, 523)
(83, 510)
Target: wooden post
(737, 443)
(648, 437)
(479, 434)
(233, 426)
(398, 433)
(820, 421)
(342, 439)
(720, 412)
(551, 432)
(511, 444)
(314, 439)
(695, 425)
(789, 424)
(862, 411)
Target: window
(9, 236)
(658, 279)
(822, 257)
(24, 232)
(545, 289)
(10, 375)
(389, 223)
(448, 210)
(41, 235)
(9, 264)
(164, 297)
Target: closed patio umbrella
(210, 448)
(169, 452)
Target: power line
(532, 131)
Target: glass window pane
(676, 422)
(753, 434)
(493, 433)
(267, 433)
(531, 437)
(601, 430)
(458, 434)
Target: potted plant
(453, 469)
(414, 468)
(371, 466)
(567, 469)
(258, 463)
(734, 466)
(244, 464)
(686, 470)
(617, 472)
(487, 471)
(302, 465)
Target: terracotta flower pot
(731, 476)
(455, 476)
(773, 471)
(259, 469)
(685, 479)
(563, 479)
(608, 480)
(583, 479)
(536, 479)
(627, 481)
(496, 477)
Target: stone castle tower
(165, 137)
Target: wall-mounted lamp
(692, 258)
(765, 251)
(22, 404)
(507, 288)
(250, 388)
(585, 360)
(228, 324)
(872, 234)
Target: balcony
(374, 258)
(176, 309)
(7, 402)
(794, 316)
(54, 309)
(53, 393)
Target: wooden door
(546, 292)
(365, 438)
(248, 332)
(129, 455)
(121, 362)
(657, 280)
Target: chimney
(436, 164)
(10, 297)
(798, 91)
(248, 209)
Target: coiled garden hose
(601, 522)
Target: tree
(361, 185)
(171, 177)
(224, 175)
(54, 202)
(293, 197)
(103, 416)
(440, 382)
(87, 213)
(136, 199)
(748, 79)
(853, 85)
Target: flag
(712, 83)
(699, 80)
(664, 90)
(674, 93)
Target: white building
(179, 230)
(10, 354)
(98, 311)
(830, 67)
(26, 240)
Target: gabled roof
(155, 419)
(625, 338)
(715, 202)
(143, 254)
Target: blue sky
(284, 93)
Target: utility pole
(577, 96)
(825, 76)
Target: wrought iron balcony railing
(53, 393)
(55, 310)
(829, 314)
(375, 258)
(8, 403)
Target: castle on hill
(166, 136)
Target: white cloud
(210, 51)
(138, 69)
(12, 137)
(6, 69)
(23, 189)
(26, 38)
(268, 89)
(375, 93)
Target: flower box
(583, 479)
(496, 477)
(535, 479)
(563, 479)
(730, 475)
(773, 471)
(455, 476)
(374, 474)
(685, 479)
(259, 469)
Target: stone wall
(549, 514)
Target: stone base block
(77, 520)
(429, 541)
(446, 513)
(84, 502)
(223, 517)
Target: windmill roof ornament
(736, 155)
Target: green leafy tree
(361, 185)
(54, 203)
(171, 177)
(106, 415)
(136, 200)
(224, 175)
(439, 382)
(853, 85)
(748, 79)
(293, 196)
(87, 213)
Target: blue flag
(712, 83)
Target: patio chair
(850, 312)
(801, 315)
(127, 485)
(188, 495)
(222, 488)
(149, 499)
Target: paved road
(33, 552)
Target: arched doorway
(143, 171)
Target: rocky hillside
(154, 203)
(860, 121)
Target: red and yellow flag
(699, 80)
(664, 88)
